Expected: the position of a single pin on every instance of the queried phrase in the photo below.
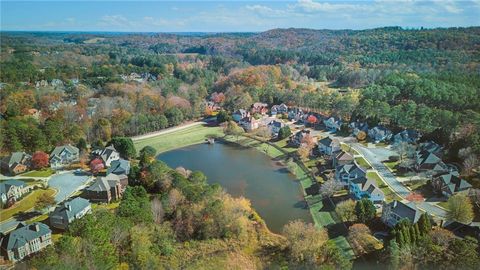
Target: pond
(274, 193)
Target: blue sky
(233, 16)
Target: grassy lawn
(391, 165)
(362, 162)
(443, 204)
(41, 173)
(389, 194)
(348, 149)
(180, 138)
(109, 206)
(25, 204)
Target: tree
(124, 146)
(40, 160)
(346, 210)
(82, 144)
(135, 205)
(147, 154)
(311, 119)
(365, 210)
(284, 132)
(304, 151)
(233, 129)
(361, 136)
(44, 201)
(223, 116)
(174, 116)
(329, 188)
(393, 254)
(470, 163)
(96, 165)
(361, 238)
(460, 209)
(304, 241)
(424, 224)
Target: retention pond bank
(275, 194)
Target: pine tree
(394, 254)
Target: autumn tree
(330, 187)
(346, 210)
(45, 200)
(231, 128)
(96, 165)
(460, 209)
(361, 136)
(304, 241)
(361, 239)
(40, 160)
(147, 154)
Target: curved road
(393, 183)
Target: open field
(39, 173)
(25, 204)
(179, 138)
(389, 194)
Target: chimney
(69, 207)
(35, 227)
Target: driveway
(375, 160)
(66, 184)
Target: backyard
(27, 203)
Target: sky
(233, 16)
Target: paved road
(391, 180)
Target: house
(346, 173)
(108, 154)
(239, 115)
(358, 126)
(342, 158)
(379, 134)
(68, 211)
(407, 135)
(249, 123)
(17, 162)
(431, 147)
(107, 189)
(426, 161)
(274, 126)
(25, 240)
(295, 114)
(12, 190)
(64, 155)
(298, 138)
(119, 167)
(362, 187)
(328, 146)
(261, 108)
(395, 211)
(332, 124)
(449, 183)
(279, 109)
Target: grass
(347, 148)
(180, 138)
(443, 204)
(25, 204)
(387, 191)
(391, 165)
(41, 173)
(362, 162)
(109, 206)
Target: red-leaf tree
(96, 165)
(40, 160)
(312, 119)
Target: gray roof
(344, 156)
(409, 210)
(366, 185)
(119, 167)
(327, 141)
(5, 185)
(24, 234)
(430, 160)
(431, 147)
(69, 209)
(351, 168)
(453, 182)
(407, 135)
(15, 157)
(59, 149)
(104, 183)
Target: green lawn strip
(347, 148)
(40, 173)
(25, 204)
(180, 138)
(387, 191)
(344, 246)
(362, 162)
(443, 204)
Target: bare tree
(470, 163)
(157, 210)
(329, 188)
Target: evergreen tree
(393, 254)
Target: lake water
(274, 193)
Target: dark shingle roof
(69, 209)
(409, 210)
(24, 234)
(453, 182)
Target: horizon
(233, 16)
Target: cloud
(115, 21)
